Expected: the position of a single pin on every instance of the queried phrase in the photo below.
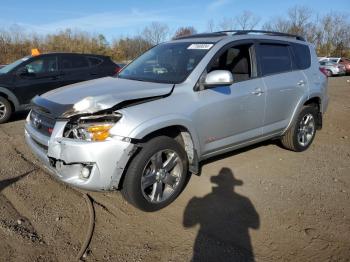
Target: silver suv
(179, 103)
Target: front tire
(301, 134)
(5, 110)
(156, 175)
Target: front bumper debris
(66, 158)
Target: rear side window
(302, 56)
(274, 59)
(74, 62)
(94, 61)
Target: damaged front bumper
(88, 165)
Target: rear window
(274, 58)
(94, 61)
(302, 56)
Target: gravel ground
(267, 204)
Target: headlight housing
(92, 128)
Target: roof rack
(242, 32)
(263, 32)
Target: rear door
(285, 85)
(75, 68)
(39, 75)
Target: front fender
(149, 126)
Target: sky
(115, 18)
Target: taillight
(117, 69)
(323, 71)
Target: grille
(42, 123)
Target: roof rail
(202, 35)
(272, 33)
(241, 32)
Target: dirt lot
(276, 206)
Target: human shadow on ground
(225, 218)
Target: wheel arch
(181, 134)
(314, 100)
(10, 97)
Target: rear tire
(156, 175)
(301, 134)
(5, 110)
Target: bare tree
(227, 24)
(247, 20)
(156, 33)
(299, 19)
(211, 26)
(277, 24)
(185, 31)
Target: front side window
(237, 60)
(274, 58)
(42, 65)
(166, 63)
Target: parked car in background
(339, 60)
(179, 103)
(35, 75)
(343, 61)
(332, 68)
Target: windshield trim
(8, 68)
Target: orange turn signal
(100, 132)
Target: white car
(332, 68)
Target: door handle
(257, 92)
(301, 83)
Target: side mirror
(218, 78)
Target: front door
(230, 115)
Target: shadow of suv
(179, 103)
(35, 75)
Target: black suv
(35, 75)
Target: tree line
(329, 33)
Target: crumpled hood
(100, 94)
(108, 90)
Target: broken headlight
(91, 128)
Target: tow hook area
(84, 170)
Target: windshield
(11, 66)
(166, 63)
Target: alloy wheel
(306, 130)
(161, 176)
(3, 110)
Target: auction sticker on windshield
(200, 46)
